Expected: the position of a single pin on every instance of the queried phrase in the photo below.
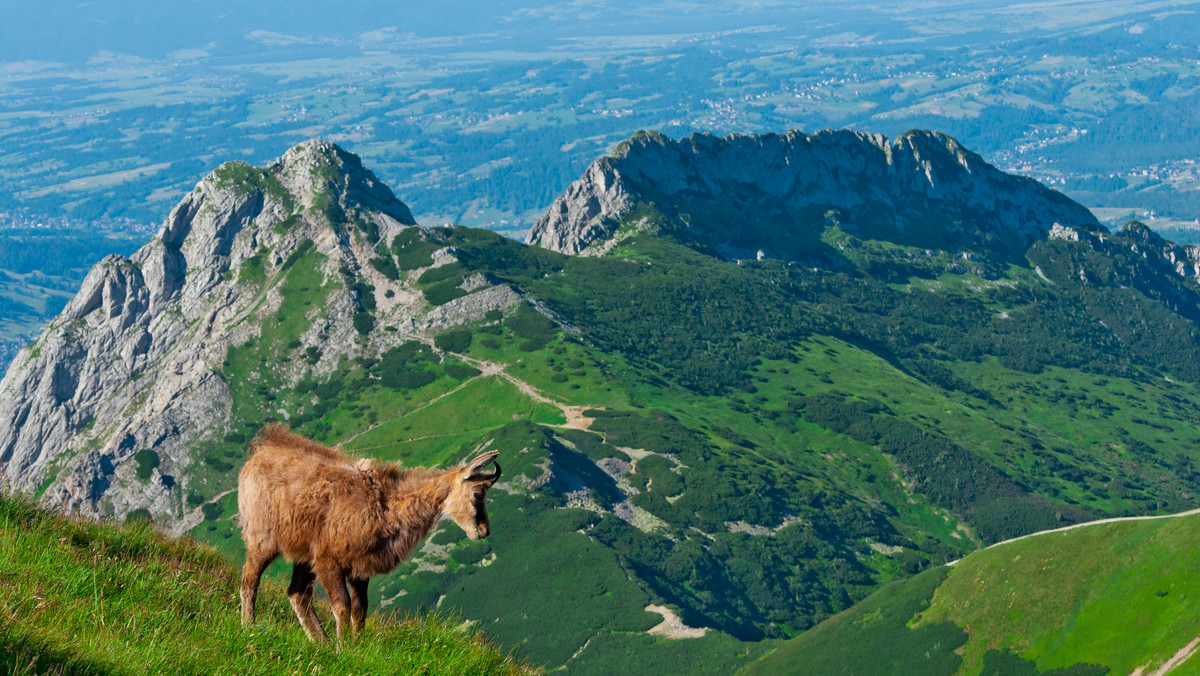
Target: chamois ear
(475, 468)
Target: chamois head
(469, 485)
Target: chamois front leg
(334, 582)
(358, 604)
(300, 593)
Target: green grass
(781, 485)
(1109, 598)
(714, 653)
(477, 406)
(1121, 595)
(101, 598)
(873, 638)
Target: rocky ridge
(134, 361)
(731, 193)
(1183, 260)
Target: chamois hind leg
(252, 570)
(334, 582)
(358, 603)
(300, 593)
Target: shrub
(370, 230)
(453, 341)
(407, 378)
(364, 322)
(469, 553)
(217, 463)
(386, 267)
(364, 294)
(408, 352)
(147, 460)
(442, 273)
(443, 293)
(418, 257)
(304, 248)
(461, 372)
(530, 324)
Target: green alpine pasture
(1100, 599)
(1121, 595)
(79, 597)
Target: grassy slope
(103, 598)
(1105, 598)
(1121, 595)
(873, 638)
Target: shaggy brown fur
(339, 519)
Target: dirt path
(1190, 512)
(574, 414)
(427, 404)
(1177, 659)
(575, 418)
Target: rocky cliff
(733, 193)
(136, 359)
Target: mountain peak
(173, 309)
(741, 194)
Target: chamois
(337, 519)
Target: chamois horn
(479, 464)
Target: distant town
(23, 219)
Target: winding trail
(1170, 665)
(1184, 653)
(574, 415)
(423, 406)
(1098, 522)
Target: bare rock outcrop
(774, 193)
(1183, 260)
(135, 360)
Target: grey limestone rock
(741, 194)
(1184, 260)
(134, 360)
